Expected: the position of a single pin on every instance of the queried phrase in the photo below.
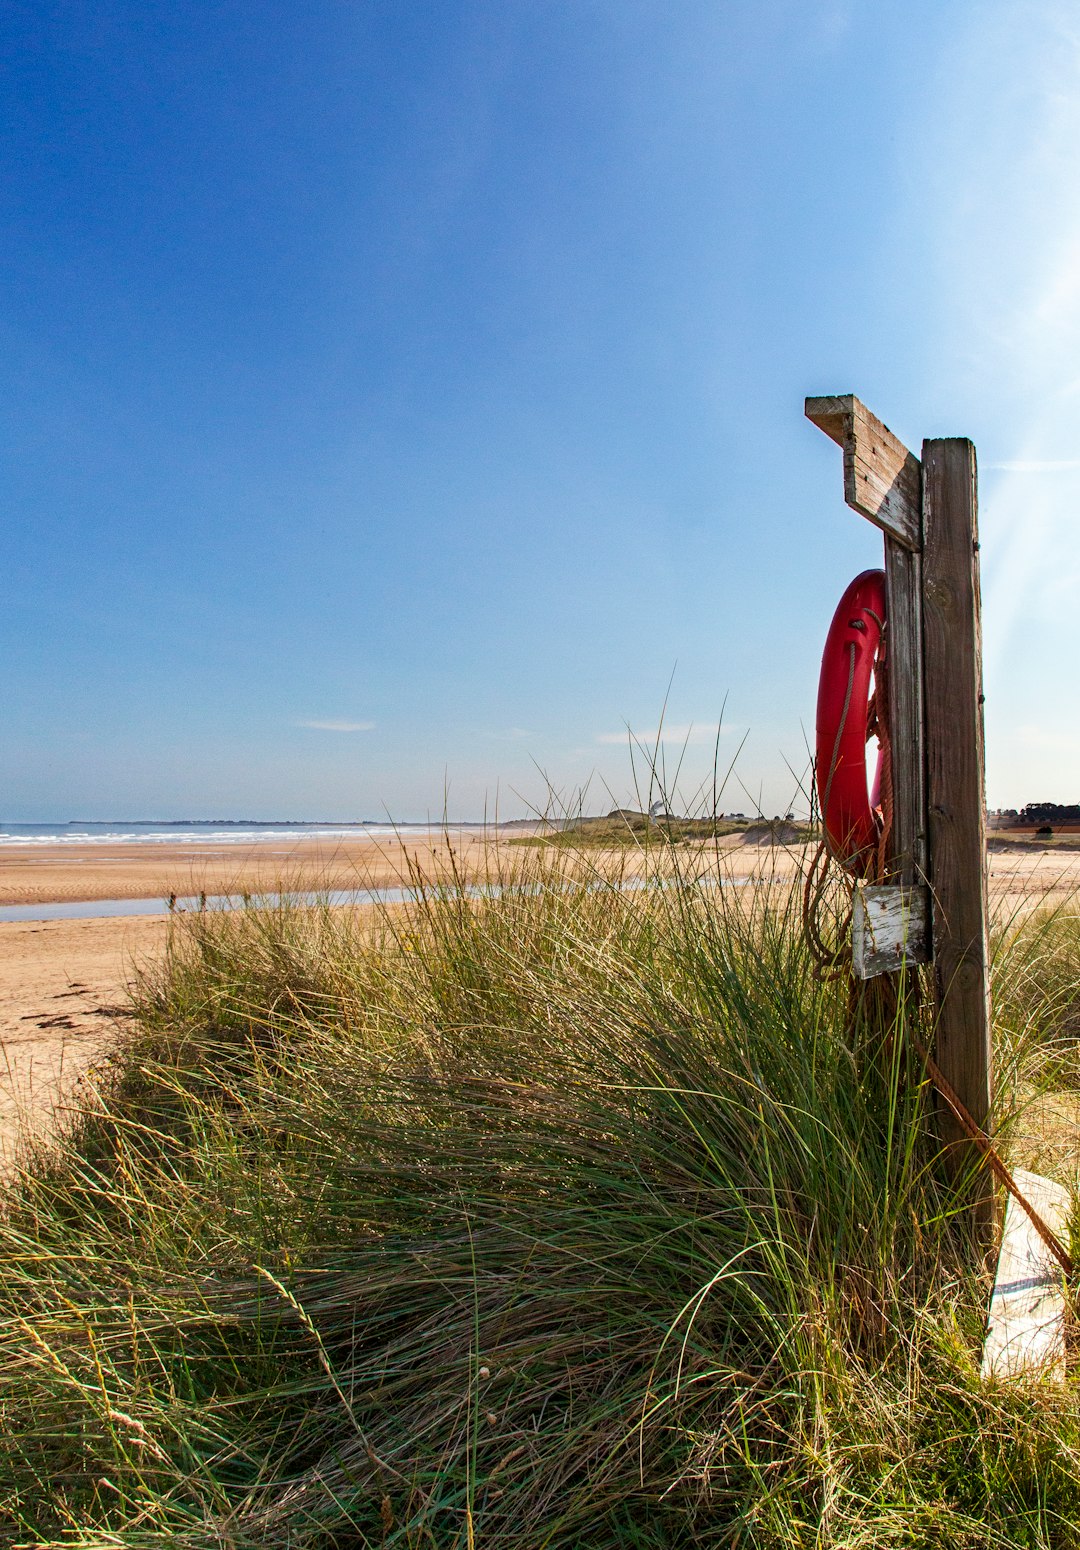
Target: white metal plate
(889, 927)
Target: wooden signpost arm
(881, 477)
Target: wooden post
(903, 601)
(952, 652)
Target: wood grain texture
(907, 857)
(832, 413)
(952, 650)
(881, 477)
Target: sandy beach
(64, 983)
(63, 994)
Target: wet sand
(39, 874)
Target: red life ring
(851, 815)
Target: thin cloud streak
(337, 726)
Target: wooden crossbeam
(881, 477)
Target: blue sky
(399, 398)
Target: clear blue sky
(397, 396)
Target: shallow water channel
(87, 909)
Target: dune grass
(625, 828)
(632, 829)
(571, 1215)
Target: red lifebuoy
(849, 812)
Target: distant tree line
(1036, 813)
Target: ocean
(199, 832)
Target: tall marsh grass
(561, 1217)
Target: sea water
(202, 831)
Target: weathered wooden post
(936, 867)
(956, 787)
